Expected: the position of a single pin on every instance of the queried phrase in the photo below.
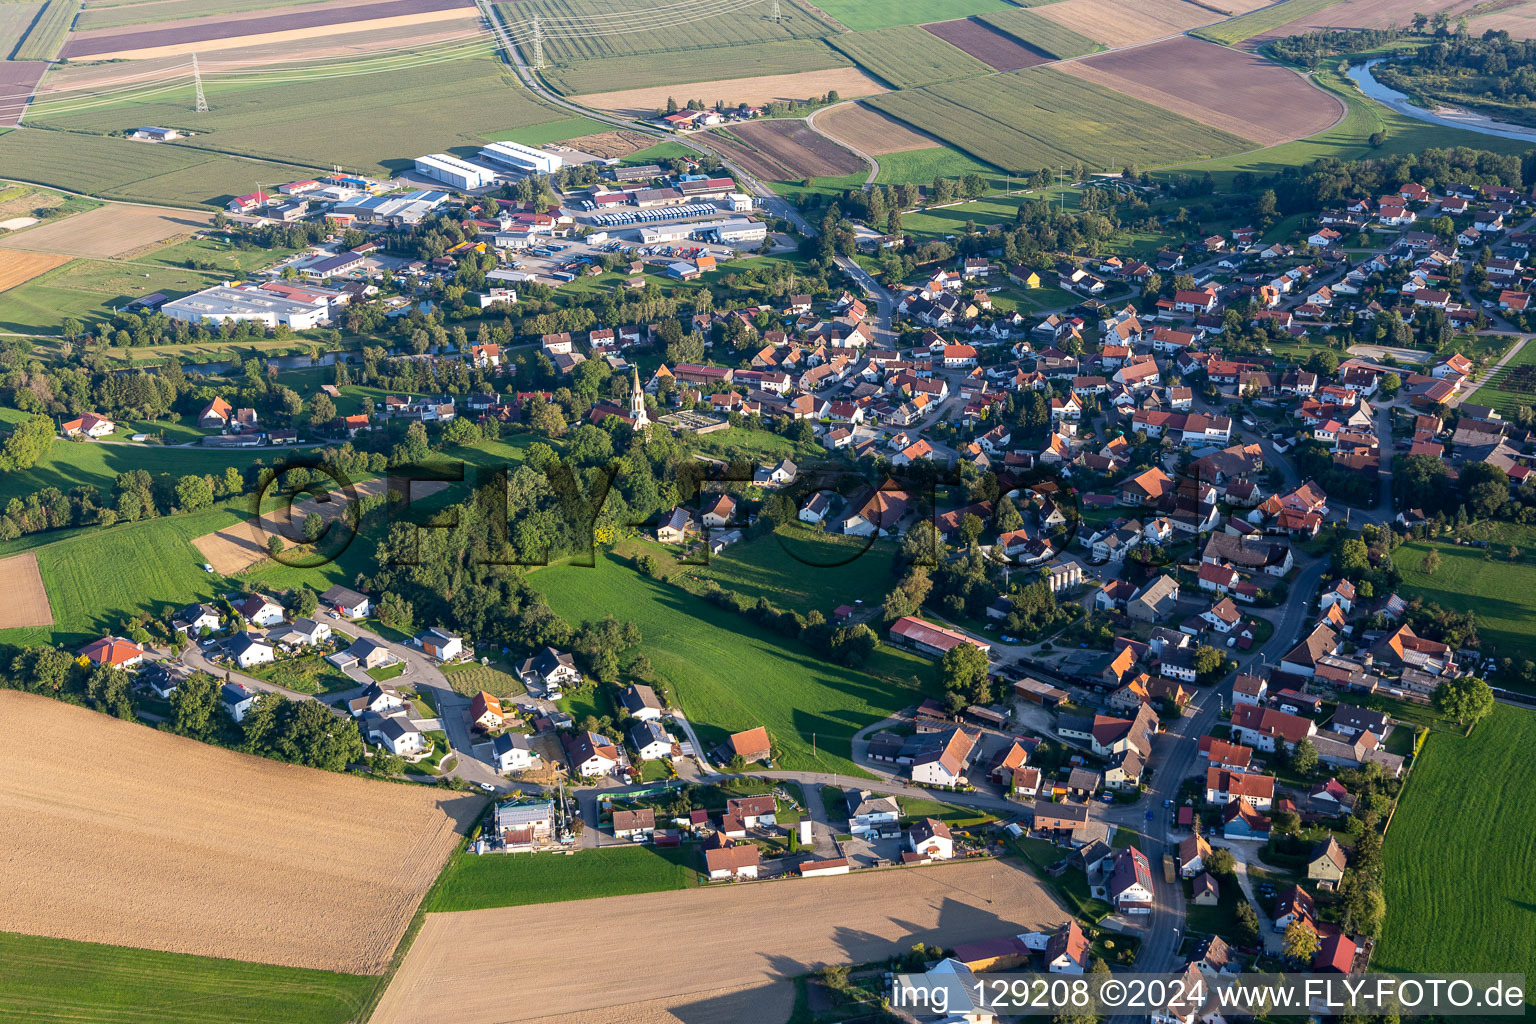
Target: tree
(1287, 823)
(1221, 862)
(193, 493)
(396, 612)
(1246, 931)
(1008, 518)
(1431, 562)
(312, 734)
(963, 670)
(1352, 558)
(275, 545)
(1468, 699)
(1304, 757)
(314, 526)
(194, 706)
(971, 528)
(321, 410)
(1300, 941)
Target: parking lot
(562, 260)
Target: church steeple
(637, 411)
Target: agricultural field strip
(992, 47)
(15, 19)
(907, 56)
(846, 81)
(719, 63)
(1042, 33)
(871, 131)
(304, 869)
(107, 231)
(48, 31)
(97, 16)
(26, 600)
(20, 267)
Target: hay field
(26, 602)
(784, 150)
(115, 15)
(846, 82)
(578, 30)
(1126, 22)
(1041, 33)
(20, 267)
(1321, 14)
(166, 843)
(107, 231)
(1237, 92)
(727, 947)
(869, 131)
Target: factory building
(450, 170)
(297, 309)
(520, 158)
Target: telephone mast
(197, 81)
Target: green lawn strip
(915, 809)
(921, 166)
(798, 570)
(471, 882)
(729, 674)
(1459, 887)
(59, 981)
(550, 131)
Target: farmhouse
(88, 425)
(928, 638)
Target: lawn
(1461, 895)
(864, 14)
(729, 674)
(905, 56)
(1513, 386)
(913, 809)
(471, 882)
(1498, 590)
(921, 166)
(494, 679)
(1040, 117)
(803, 570)
(551, 131)
(71, 464)
(57, 981)
(784, 57)
(446, 106)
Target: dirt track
(869, 131)
(107, 231)
(726, 947)
(846, 82)
(120, 834)
(26, 602)
(1225, 88)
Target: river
(1450, 117)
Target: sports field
(1041, 117)
(906, 56)
(727, 673)
(866, 14)
(56, 981)
(746, 939)
(1501, 592)
(670, 67)
(1461, 895)
(193, 867)
(471, 882)
(434, 108)
(1513, 385)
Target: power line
(197, 79)
(538, 44)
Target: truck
(1170, 868)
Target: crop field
(1127, 22)
(86, 290)
(48, 31)
(1460, 892)
(905, 56)
(18, 79)
(869, 131)
(1512, 386)
(866, 14)
(1264, 20)
(119, 169)
(1041, 33)
(109, 15)
(1519, 21)
(785, 149)
(846, 81)
(1237, 92)
(1317, 15)
(923, 165)
(108, 231)
(26, 602)
(473, 882)
(440, 107)
(718, 63)
(18, 268)
(997, 50)
(1498, 590)
(193, 865)
(730, 674)
(590, 29)
(457, 965)
(15, 19)
(55, 981)
(1040, 117)
(164, 38)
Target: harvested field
(785, 150)
(108, 231)
(18, 80)
(166, 843)
(108, 15)
(457, 967)
(846, 82)
(1126, 22)
(986, 44)
(581, 30)
(1320, 14)
(234, 30)
(610, 145)
(872, 132)
(20, 267)
(1237, 92)
(26, 602)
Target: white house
(930, 838)
(237, 700)
(441, 644)
(249, 649)
(398, 735)
(348, 602)
(651, 741)
(511, 752)
(550, 668)
(260, 610)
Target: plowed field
(783, 150)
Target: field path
(874, 165)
